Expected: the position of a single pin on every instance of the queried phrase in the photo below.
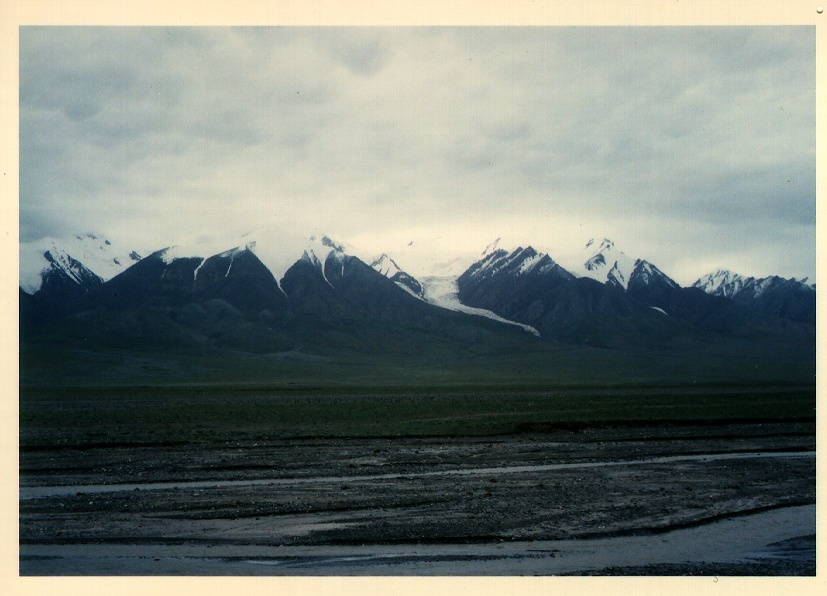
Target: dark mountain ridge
(334, 306)
(529, 287)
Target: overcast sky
(692, 147)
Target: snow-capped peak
(517, 262)
(722, 282)
(277, 249)
(605, 263)
(386, 266)
(318, 249)
(647, 273)
(92, 251)
(608, 264)
(728, 284)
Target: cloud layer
(694, 147)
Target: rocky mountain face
(755, 299)
(531, 288)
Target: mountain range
(271, 293)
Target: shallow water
(739, 539)
(39, 492)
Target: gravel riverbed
(733, 499)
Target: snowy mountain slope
(498, 263)
(78, 258)
(646, 284)
(277, 249)
(443, 292)
(312, 275)
(433, 266)
(605, 263)
(775, 296)
(529, 287)
(423, 256)
(388, 267)
(722, 283)
(615, 301)
(281, 276)
(730, 285)
(647, 274)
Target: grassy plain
(90, 416)
(72, 396)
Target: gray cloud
(687, 143)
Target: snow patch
(529, 264)
(197, 269)
(443, 292)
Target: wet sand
(736, 499)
